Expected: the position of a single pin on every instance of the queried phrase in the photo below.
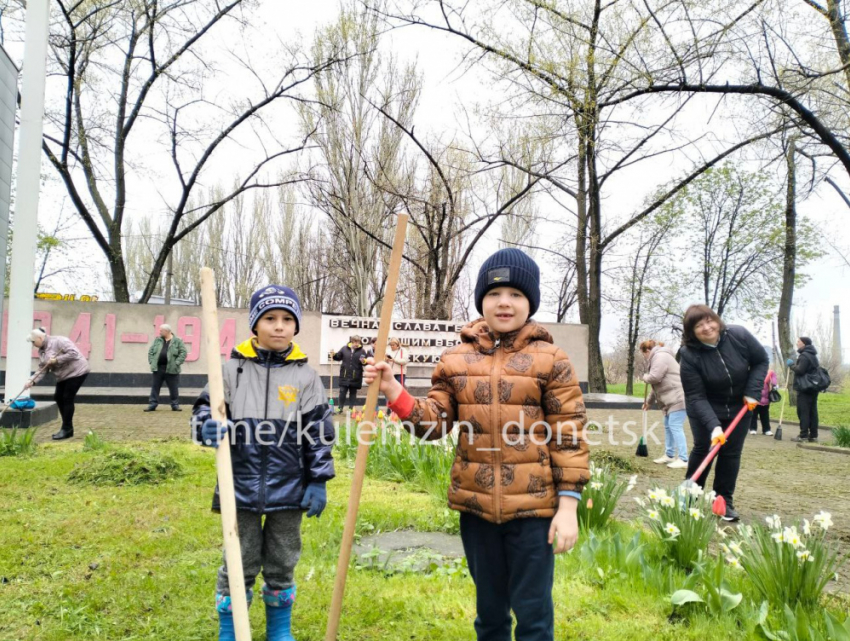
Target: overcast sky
(448, 92)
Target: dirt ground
(776, 477)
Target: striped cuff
(574, 495)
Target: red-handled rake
(719, 505)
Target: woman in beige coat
(398, 358)
(663, 375)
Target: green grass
(139, 562)
(621, 389)
(833, 409)
(18, 442)
(841, 434)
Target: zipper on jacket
(264, 448)
(497, 430)
(731, 384)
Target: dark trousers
(345, 391)
(513, 567)
(807, 412)
(728, 459)
(762, 413)
(171, 380)
(66, 392)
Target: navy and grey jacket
(283, 434)
(806, 362)
(716, 379)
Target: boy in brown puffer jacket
(521, 461)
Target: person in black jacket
(722, 368)
(352, 357)
(807, 402)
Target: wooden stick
(366, 440)
(224, 468)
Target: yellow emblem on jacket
(287, 393)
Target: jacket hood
(479, 334)
(662, 348)
(249, 350)
(808, 349)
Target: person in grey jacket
(165, 357)
(280, 432)
(59, 355)
(663, 375)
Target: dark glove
(315, 499)
(214, 432)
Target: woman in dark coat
(807, 401)
(352, 357)
(722, 368)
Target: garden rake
(8, 404)
(642, 449)
(778, 434)
(224, 467)
(331, 388)
(719, 505)
(365, 438)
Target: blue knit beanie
(509, 268)
(274, 297)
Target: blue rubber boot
(226, 631)
(279, 613)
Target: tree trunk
(790, 259)
(596, 376)
(581, 229)
(120, 286)
(840, 34)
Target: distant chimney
(836, 336)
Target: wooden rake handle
(224, 468)
(365, 442)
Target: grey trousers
(273, 547)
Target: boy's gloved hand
(718, 436)
(315, 499)
(789, 362)
(213, 432)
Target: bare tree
(357, 149)
(640, 275)
(579, 62)
(124, 63)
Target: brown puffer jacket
(503, 393)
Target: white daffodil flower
(791, 537)
(824, 520)
(695, 490)
(672, 530)
(695, 514)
